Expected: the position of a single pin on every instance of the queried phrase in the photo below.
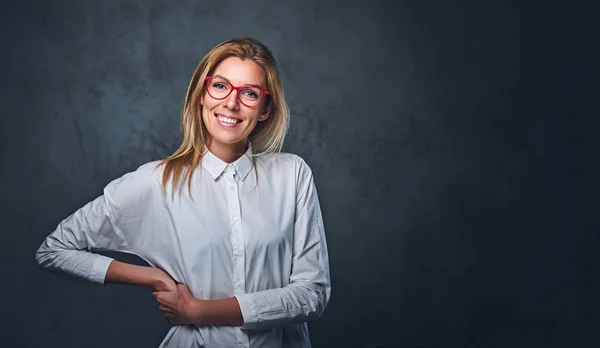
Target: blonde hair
(267, 136)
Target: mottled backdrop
(442, 135)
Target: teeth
(227, 119)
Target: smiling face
(229, 122)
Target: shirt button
(235, 218)
(231, 188)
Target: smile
(228, 122)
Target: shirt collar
(216, 166)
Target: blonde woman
(230, 225)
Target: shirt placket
(237, 241)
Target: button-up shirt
(251, 229)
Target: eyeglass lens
(221, 88)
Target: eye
(250, 93)
(219, 85)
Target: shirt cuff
(248, 310)
(99, 268)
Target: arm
(307, 293)
(68, 248)
(124, 273)
(180, 308)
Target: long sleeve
(69, 248)
(307, 294)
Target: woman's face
(228, 121)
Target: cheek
(207, 106)
(255, 119)
(205, 116)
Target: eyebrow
(247, 84)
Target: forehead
(241, 72)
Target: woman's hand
(162, 281)
(179, 306)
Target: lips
(227, 121)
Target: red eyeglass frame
(235, 88)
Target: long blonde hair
(267, 136)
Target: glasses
(219, 88)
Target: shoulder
(142, 183)
(285, 163)
(144, 175)
(283, 160)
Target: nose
(232, 102)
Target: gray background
(445, 138)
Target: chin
(230, 141)
(227, 140)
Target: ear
(201, 100)
(266, 112)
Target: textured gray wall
(435, 133)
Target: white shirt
(249, 230)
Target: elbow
(42, 257)
(46, 254)
(320, 295)
(323, 300)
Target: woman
(231, 226)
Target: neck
(228, 152)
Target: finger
(171, 319)
(166, 309)
(162, 292)
(159, 299)
(163, 297)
